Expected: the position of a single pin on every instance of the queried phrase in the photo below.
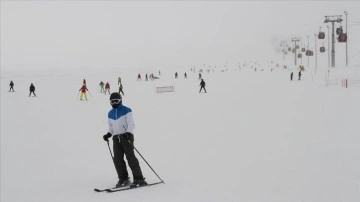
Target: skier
(101, 84)
(11, 86)
(32, 89)
(291, 76)
(199, 76)
(119, 80)
(202, 84)
(176, 75)
(185, 76)
(299, 75)
(121, 129)
(121, 89)
(83, 90)
(107, 87)
(139, 77)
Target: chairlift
(299, 55)
(342, 37)
(293, 50)
(322, 49)
(303, 50)
(297, 47)
(309, 53)
(339, 30)
(321, 35)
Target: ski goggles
(115, 101)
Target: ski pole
(77, 96)
(90, 94)
(111, 154)
(146, 161)
(110, 150)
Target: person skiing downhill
(121, 89)
(121, 129)
(32, 89)
(107, 87)
(11, 86)
(119, 80)
(83, 90)
(101, 84)
(202, 85)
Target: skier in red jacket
(107, 87)
(83, 90)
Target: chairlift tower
(283, 45)
(347, 59)
(295, 40)
(333, 19)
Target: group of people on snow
(292, 76)
(31, 88)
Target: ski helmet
(115, 99)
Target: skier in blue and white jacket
(121, 129)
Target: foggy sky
(160, 34)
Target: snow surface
(254, 137)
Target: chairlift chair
(339, 30)
(342, 37)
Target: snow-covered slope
(254, 137)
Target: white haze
(162, 34)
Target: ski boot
(138, 183)
(123, 182)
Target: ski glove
(107, 136)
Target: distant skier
(199, 76)
(107, 87)
(121, 89)
(83, 90)
(11, 86)
(185, 76)
(299, 75)
(101, 84)
(202, 84)
(291, 76)
(139, 77)
(119, 80)
(176, 75)
(32, 89)
(121, 129)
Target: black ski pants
(123, 145)
(33, 92)
(202, 87)
(121, 91)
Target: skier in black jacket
(11, 86)
(32, 89)
(202, 84)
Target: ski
(128, 188)
(102, 190)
